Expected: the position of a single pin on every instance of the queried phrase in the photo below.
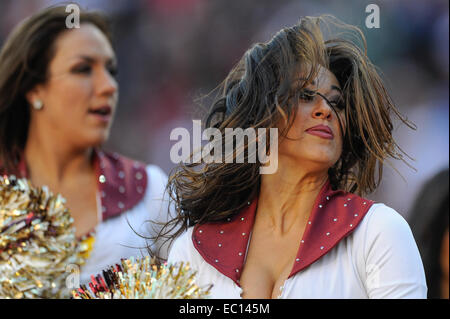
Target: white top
(115, 238)
(379, 259)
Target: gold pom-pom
(143, 279)
(37, 241)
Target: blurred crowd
(171, 52)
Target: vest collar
(334, 216)
(122, 182)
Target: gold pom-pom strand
(37, 241)
(143, 279)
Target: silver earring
(38, 105)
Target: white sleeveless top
(116, 238)
(379, 259)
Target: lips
(322, 131)
(102, 110)
(102, 113)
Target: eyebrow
(313, 82)
(92, 60)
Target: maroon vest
(334, 216)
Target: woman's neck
(287, 197)
(51, 162)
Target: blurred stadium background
(172, 51)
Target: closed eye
(338, 103)
(83, 68)
(307, 95)
(335, 102)
(88, 63)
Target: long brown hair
(259, 93)
(24, 61)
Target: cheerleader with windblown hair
(304, 231)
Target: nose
(106, 84)
(322, 110)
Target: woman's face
(315, 138)
(81, 93)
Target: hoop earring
(38, 105)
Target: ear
(34, 94)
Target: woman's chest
(267, 266)
(269, 260)
(337, 275)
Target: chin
(97, 139)
(325, 155)
(319, 156)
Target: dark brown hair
(259, 92)
(24, 61)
